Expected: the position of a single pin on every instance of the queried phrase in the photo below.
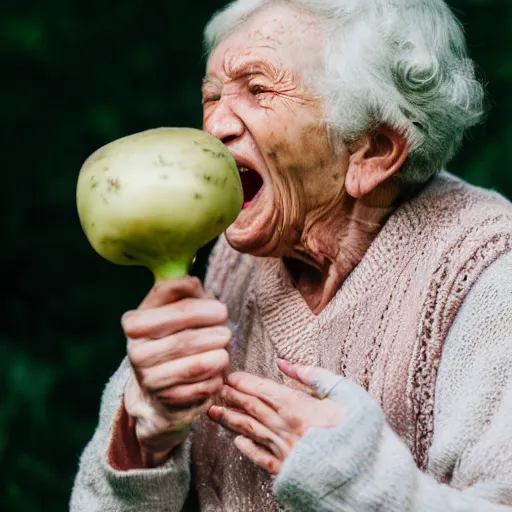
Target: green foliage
(76, 75)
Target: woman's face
(255, 102)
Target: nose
(223, 123)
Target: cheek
(323, 170)
(304, 158)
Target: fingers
(323, 381)
(289, 369)
(188, 395)
(255, 408)
(146, 353)
(185, 370)
(249, 427)
(274, 394)
(177, 349)
(258, 455)
(187, 313)
(172, 290)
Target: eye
(257, 89)
(212, 98)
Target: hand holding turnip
(154, 199)
(177, 347)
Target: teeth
(243, 169)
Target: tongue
(251, 184)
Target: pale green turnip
(154, 198)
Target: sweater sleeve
(100, 487)
(362, 465)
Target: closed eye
(211, 99)
(257, 89)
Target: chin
(255, 230)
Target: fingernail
(214, 411)
(284, 362)
(219, 308)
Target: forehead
(275, 34)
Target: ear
(376, 157)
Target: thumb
(322, 381)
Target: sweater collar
(288, 320)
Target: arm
(370, 468)
(138, 458)
(100, 487)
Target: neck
(334, 241)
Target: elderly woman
(369, 340)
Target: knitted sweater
(415, 420)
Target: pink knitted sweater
(385, 331)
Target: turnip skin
(154, 198)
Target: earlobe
(376, 157)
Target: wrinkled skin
(256, 102)
(271, 418)
(319, 210)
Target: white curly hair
(403, 63)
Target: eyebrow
(245, 68)
(249, 67)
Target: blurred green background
(74, 76)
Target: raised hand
(271, 417)
(177, 347)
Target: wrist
(124, 449)
(125, 452)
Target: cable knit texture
(364, 466)
(100, 488)
(383, 332)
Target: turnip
(154, 198)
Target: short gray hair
(403, 63)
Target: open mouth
(252, 184)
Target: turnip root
(154, 198)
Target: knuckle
(195, 284)
(183, 395)
(222, 311)
(187, 305)
(162, 287)
(217, 385)
(229, 393)
(179, 341)
(249, 406)
(170, 395)
(196, 369)
(190, 311)
(146, 380)
(235, 378)
(223, 357)
(133, 351)
(128, 322)
(207, 364)
(198, 310)
(223, 332)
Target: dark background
(74, 76)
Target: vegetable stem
(171, 270)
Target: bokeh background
(75, 75)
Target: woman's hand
(270, 417)
(177, 347)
